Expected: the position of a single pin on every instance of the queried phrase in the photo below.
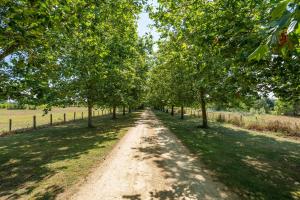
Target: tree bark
(172, 111)
(203, 108)
(129, 109)
(114, 113)
(90, 110)
(124, 111)
(182, 113)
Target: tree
(71, 53)
(213, 37)
(26, 25)
(280, 48)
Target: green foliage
(282, 29)
(77, 52)
(283, 107)
(214, 42)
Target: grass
(253, 165)
(24, 118)
(281, 125)
(42, 164)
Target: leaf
(278, 11)
(259, 53)
(292, 26)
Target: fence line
(36, 125)
(273, 123)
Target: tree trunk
(172, 111)
(129, 109)
(90, 110)
(124, 111)
(203, 108)
(182, 113)
(114, 113)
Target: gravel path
(151, 163)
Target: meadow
(275, 124)
(23, 118)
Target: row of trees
(72, 52)
(221, 52)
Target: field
(280, 125)
(43, 163)
(253, 165)
(24, 118)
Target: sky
(144, 22)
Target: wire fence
(20, 120)
(261, 122)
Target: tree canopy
(222, 52)
(83, 52)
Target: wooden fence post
(10, 125)
(34, 122)
(64, 117)
(51, 120)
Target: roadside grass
(42, 164)
(276, 124)
(24, 118)
(253, 165)
(281, 125)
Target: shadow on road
(253, 166)
(187, 176)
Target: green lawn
(253, 165)
(43, 163)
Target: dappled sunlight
(27, 160)
(187, 177)
(257, 164)
(254, 165)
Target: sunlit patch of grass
(43, 163)
(253, 165)
(22, 119)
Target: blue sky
(145, 21)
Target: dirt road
(150, 163)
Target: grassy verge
(281, 125)
(253, 165)
(43, 163)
